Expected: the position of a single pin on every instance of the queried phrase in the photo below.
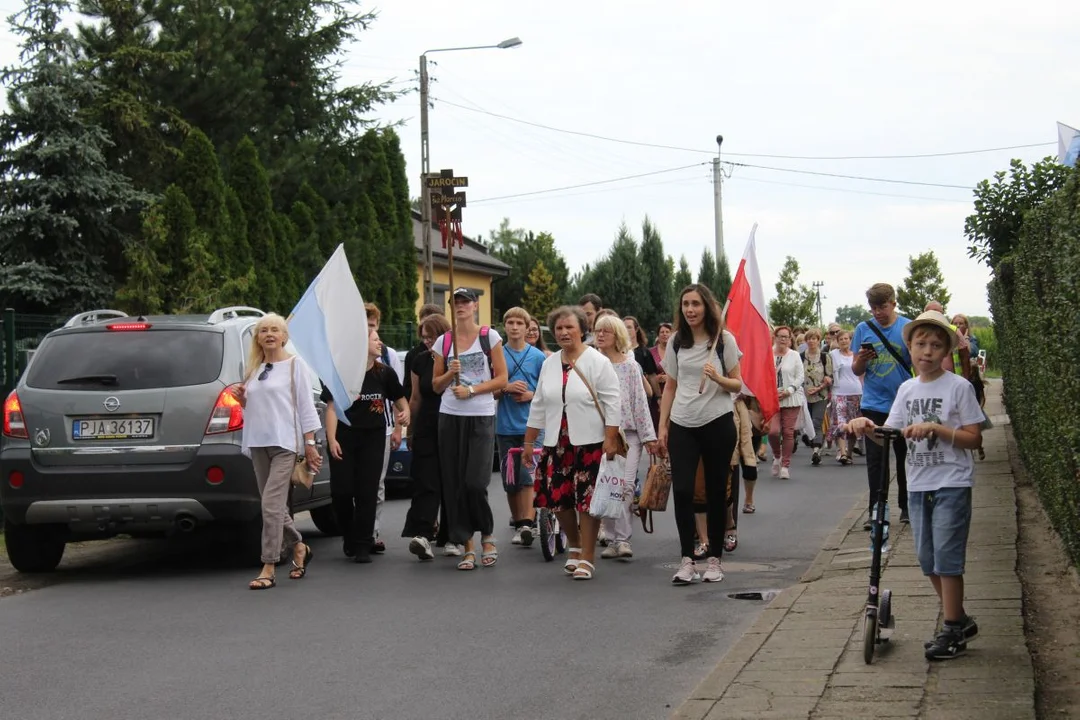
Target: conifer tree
(541, 293)
(248, 178)
(146, 287)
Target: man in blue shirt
(883, 369)
(523, 363)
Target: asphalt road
(175, 633)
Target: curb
(704, 696)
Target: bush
(1034, 298)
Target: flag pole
(719, 332)
(450, 278)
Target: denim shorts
(940, 520)
(524, 477)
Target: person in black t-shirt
(356, 451)
(426, 311)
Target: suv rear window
(134, 360)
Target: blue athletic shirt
(524, 365)
(884, 375)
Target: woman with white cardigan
(789, 387)
(577, 431)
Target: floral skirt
(842, 410)
(566, 475)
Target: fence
(20, 335)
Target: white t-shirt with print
(474, 370)
(933, 463)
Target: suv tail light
(14, 423)
(128, 326)
(227, 416)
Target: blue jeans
(940, 520)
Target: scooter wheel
(870, 628)
(548, 533)
(885, 609)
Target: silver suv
(126, 425)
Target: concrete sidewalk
(803, 657)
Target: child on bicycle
(940, 418)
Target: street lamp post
(425, 158)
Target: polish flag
(747, 320)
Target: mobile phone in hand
(867, 346)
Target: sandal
(262, 583)
(468, 561)
(571, 563)
(299, 571)
(749, 509)
(488, 558)
(701, 551)
(731, 542)
(582, 572)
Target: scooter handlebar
(888, 433)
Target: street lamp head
(512, 42)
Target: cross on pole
(446, 204)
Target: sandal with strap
(262, 583)
(468, 561)
(571, 563)
(731, 542)
(749, 509)
(488, 558)
(299, 571)
(581, 572)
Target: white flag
(1068, 144)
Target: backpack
(719, 352)
(485, 345)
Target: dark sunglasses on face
(266, 373)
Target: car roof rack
(94, 316)
(231, 313)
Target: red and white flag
(747, 320)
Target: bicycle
(878, 620)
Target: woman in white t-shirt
(697, 422)
(846, 396)
(467, 428)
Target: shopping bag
(611, 492)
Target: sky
(825, 80)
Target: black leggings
(714, 444)
(354, 482)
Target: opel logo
(112, 403)
(43, 437)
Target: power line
(588, 184)
(851, 177)
(742, 178)
(623, 141)
(622, 188)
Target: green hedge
(1035, 300)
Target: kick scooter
(552, 538)
(878, 620)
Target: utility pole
(817, 288)
(425, 169)
(718, 202)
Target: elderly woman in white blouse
(577, 432)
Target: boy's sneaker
(714, 573)
(378, 546)
(970, 630)
(421, 548)
(904, 517)
(602, 538)
(686, 574)
(947, 645)
(528, 534)
(452, 550)
(815, 459)
(516, 540)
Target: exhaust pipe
(185, 522)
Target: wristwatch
(309, 443)
(471, 391)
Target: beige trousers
(273, 473)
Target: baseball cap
(463, 292)
(931, 317)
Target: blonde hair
(616, 326)
(256, 356)
(520, 313)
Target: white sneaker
(686, 574)
(421, 548)
(528, 533)
(452, 550)
(602, 538)
(775, 468)
(624, 549)
(785, 474)
(714, 573)
(517, 537)
(610, 552)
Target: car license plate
(131, 428)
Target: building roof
(474, 256)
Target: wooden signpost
(446, 205)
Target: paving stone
(716, 683)
(693, 710)
(870, 708)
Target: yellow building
(474, 268)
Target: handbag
(301, 473)
(623, 447)
(654, 495)
(610, 493)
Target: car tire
(325, 520)
(33, 548)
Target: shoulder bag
(623, 446)
(301, 473)
(890, 348)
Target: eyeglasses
(602, 331)
(266, 373)
(783, 337)
(833, 332)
